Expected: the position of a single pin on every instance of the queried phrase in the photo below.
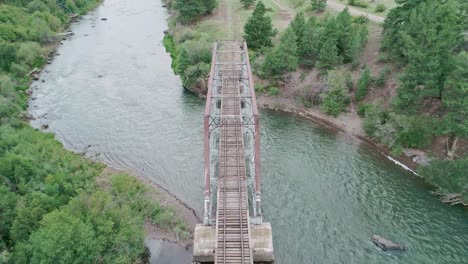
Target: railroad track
(232, 225)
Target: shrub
(361, 20)
(414, 132)
(381, 79)
(362, 108)
(28, 52)
(319, 5)
(450, 175)
(259, 88)
(335, 100)
(380, 8)
(363, 83)
(358, 3)
(273, 91)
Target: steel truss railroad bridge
(233, 230)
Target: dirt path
(228, 18)
(354, 12)
(286, 14)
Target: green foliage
(361, 20)
(358, 3)
(309, 44)
(335, 100)
(450, 175)
(318, 5)
(247, 3)
(331, 41)
(28, 53)
(258, 30)
(381, 79)
(397, 131)
(183, 62)
(455, 98)
(191, 10)
(362, 109)
(273, 91)
(328, 56)
(8, 200)
(191, 58)
(51, 211)
(298, 26)
(424, 36)
(363, 84)
(283, 58)
(379, 8)
(168, 42)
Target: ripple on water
(324, 193)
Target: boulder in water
(386, 244)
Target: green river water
(324, 193)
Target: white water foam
(402, 165)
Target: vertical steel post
(258, 178)
(206, 139)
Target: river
(112, 94)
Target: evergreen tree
(210, 5)
(345, 33)
(455, 98)
(363, 83)
(298, 25)
(319, 5)
(258, 30)
(282, 58)
(428, 41)
(309, 45)
(247, 3)
(190, 10)
(328, 56)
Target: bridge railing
(258, 188)
(210, 125)
(206, 139)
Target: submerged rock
(386, 244)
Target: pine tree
(328, 56)
(427, 43)
(455, 98)
(209, 6)
(345, 33)
(308, 46)
(190, 10)
(363, 83)
(258, 30)
(319, 5)
(247, 3)
(282, 58)
(298, 25)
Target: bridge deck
(232, 224)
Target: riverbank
(52, 201)
(290, 91)
(165, 199)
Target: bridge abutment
(261, 239)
